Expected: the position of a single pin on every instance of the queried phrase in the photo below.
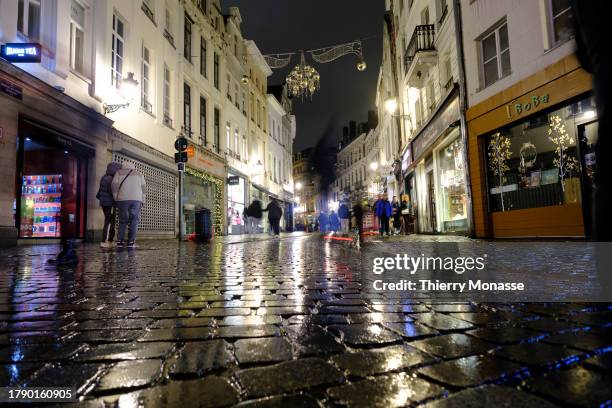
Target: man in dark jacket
(358, 214)
(383, 212)
(107, 202)
(323, 222)
(254, 212)
(274, 215)
(345, 216)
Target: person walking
(345, 217)
(383, 212)
(358, 214)
(129, 191)
(397, 216)
(334, 221)
(274, 215)
(255, 212)
(107, 202)
(375, 206)
(405, 210)
(323, 222)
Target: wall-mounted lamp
(128, 89)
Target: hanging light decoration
(303, 80)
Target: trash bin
(203, 225)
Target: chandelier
(303, 80)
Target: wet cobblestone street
(282, 323)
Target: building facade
(194, 74)
(432, 156)
(532, 120)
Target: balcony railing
(233, 154)
(170, 38)
(167, 120)
(149, 13)
(422, 40)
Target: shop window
(28, 19)
(536, 163)
(452, 199)
(236, 195)
(117, 51)
(53, 177)
(561, 20)
(77, 38)
(495, 54)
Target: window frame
(116, 38)
(188, 38)
(494, 31)
(203, 57)
(203, 121)
(187, 105)
(167, 94)
(551, 23)
(74, 26)
(146, 77)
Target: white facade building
(432, 152)
(190, 62)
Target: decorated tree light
(499, 153)
(562, 141)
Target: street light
(374, 166)
(391, 108)
(128, 89)
(298, 186)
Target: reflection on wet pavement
(282, 322)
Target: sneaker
(120, 244)
(132, 244)
(106, 244)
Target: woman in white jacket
(128, 188)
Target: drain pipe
(463, 108)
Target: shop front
(435, 176)
(158, 217)
(259, 193)
(52, 152)
(535, 155)
(203, 188)
(236, 203)
(51, 182)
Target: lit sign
(21, 52)
(519, 107)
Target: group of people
(340, 221)
(393, 213)
(122, 190)
(254, 213)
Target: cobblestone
(282, 323)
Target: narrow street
(281, 322)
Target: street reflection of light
(17, 354)
(393, 362)
(401, 397)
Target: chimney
(372, 119)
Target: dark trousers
(384, 225)
(108, 234)
(275, 224)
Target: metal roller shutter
(158, 213)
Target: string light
(218, 210)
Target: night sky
(279, 26)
